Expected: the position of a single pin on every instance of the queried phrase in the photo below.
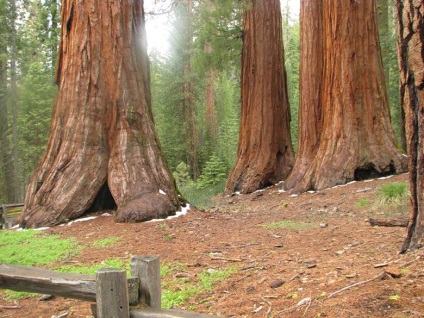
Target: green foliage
(214, 172)
(291, 39)
(33, 248)
(36, 98)
(201, 198)
(182, 175)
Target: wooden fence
(9, 214)
(112, 291)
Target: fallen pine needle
(379, 276)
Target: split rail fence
(9, 214)
(112, 291)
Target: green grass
(34, 248)
(286, 224)
(106, 242)
(92, 269)
(177, 291)
(363, 203)
(393, 191)
(201, 198)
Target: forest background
(195, 83)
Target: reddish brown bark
(411, 61)
(357, 139)
(102, 134)
(265, 153)
(211, 123)
(311, 72)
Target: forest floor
(287, 254)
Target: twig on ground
(309, 305)
(15, 306)
(299, 304)
(379, 276)
(410, 262)
(234, 260)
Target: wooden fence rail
(9, 214)
(112, 291)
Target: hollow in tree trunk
(411, 61)
(357, 139)
(103, 149)
(265, 152)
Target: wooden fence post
(112, 294)
(147, 269)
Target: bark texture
(311, 72)
(102, 138)
(411, 61)
(265, 153)
(357, 139)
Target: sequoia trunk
(102, 139)
(311, 72)
(357, 140)
(411, 61)
(265, 152)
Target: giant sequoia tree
(356, 139)
(103, 149)
(265, 153)
(411, 61)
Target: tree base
(147, 207)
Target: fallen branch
(379, 276)
(400, 222)
(15, 306)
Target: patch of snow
(42, 228)
(311, 191)
(294, 195)
(387, 177)
(260, 190)
(183, 211)
(80, 220)
(369, 180)
(106, 214)
(162, 192)
(281, 191)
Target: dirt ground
(281, 272)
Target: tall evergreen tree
(102, 137)
(411, 60)
(265, 154)
(356, 139)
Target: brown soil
(335, 249)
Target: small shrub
(182, 175)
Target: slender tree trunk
(102, 139)
(13, 104)
(191, 133)
(211, 123)
(6, 160)
(357, 140)
(265, 152)
(311, 73)
(411, 61)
